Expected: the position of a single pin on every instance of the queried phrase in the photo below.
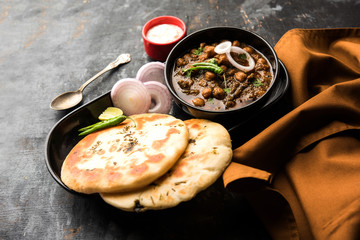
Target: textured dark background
(48, 47)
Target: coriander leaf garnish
(198, 51)
(243, 56)
(257, 83)
(227, 90)
(213, 61)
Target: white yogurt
(164, 33)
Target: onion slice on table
(160, 97)
(152, 71)
(225, 47)
(131, 96)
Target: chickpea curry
(214, 80)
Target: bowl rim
(229, 111)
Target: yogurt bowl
(161, 34)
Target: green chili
(206, 66)
(101, 125)
(90, 126)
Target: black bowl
(215, 34)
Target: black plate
(64, 135)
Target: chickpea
(181, 62)
(199, 102)
(210, 51)
(209, 75)
(187, 57)
(219, 93)
(224, 68)
(262, 61)
(203, 56)
(236, 43)
(203, 82)
(255, 56)
(249, 50)
(260, 66)
(222, 59)
(230, 71)
(230, 104)
(185, 84)
(240, 76)
(206, 92)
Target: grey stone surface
(48, 47)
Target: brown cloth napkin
(302, 173)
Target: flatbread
(125, 157)
(207, 155)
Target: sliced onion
(239, 50)
(223, 47)
(131, 96)
(160, 97)
(152, 71)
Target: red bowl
(160, 51)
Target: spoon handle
(121, 59)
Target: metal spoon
(71, 99)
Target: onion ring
(131, 96)
(160, 97)
(152, 71)
(225, 47)
(239, 50)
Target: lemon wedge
(110, 112)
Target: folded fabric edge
(247, 178)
